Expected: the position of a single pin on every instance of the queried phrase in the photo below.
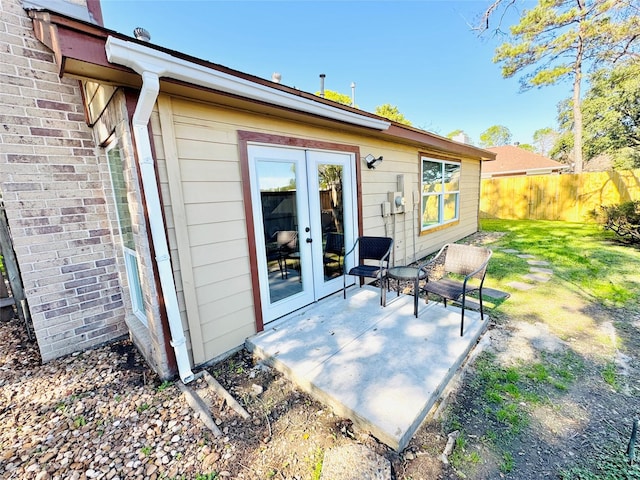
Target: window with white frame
(440, 192)
(120, 193)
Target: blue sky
(420, 56)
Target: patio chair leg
(481, 312)
(462, 317)
(386, 290)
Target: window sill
(439, 227)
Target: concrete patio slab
(380, 367)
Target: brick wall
(55, 185)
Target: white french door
(304, 215)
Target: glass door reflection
(278, 195)
(331, 219)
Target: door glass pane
(277, 181)
(331, 219)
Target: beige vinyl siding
(163, 178)
(470, 196)
(209, 232)
(212, 231)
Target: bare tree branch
(626, 49)
(483, 25)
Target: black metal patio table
(399, 274)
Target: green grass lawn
(588, 300)
(591, 260)
(590, 268)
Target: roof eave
(82, 50)
(439, 143)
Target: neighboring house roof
(79, 48)
(513, 160)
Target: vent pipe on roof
(141, 34)
(322, 76)
(353, 94)
(276, 77)
(462, 138)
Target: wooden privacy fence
(567, 197)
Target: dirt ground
(564, 434)
(104, 414)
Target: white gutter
(142, 58)
(148, 95)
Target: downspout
(478, 226)
(148, 95)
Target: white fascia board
(141, 58)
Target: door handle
(309, 240)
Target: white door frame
(315, 158)
(306, 160)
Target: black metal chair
(287, 242)
(467, 262)
(373, 261)
(333, 252)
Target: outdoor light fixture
(372, 161)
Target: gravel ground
(98, 414)
(104, 414)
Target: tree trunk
(577, 125)
(577, 103)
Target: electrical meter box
(397, 202)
